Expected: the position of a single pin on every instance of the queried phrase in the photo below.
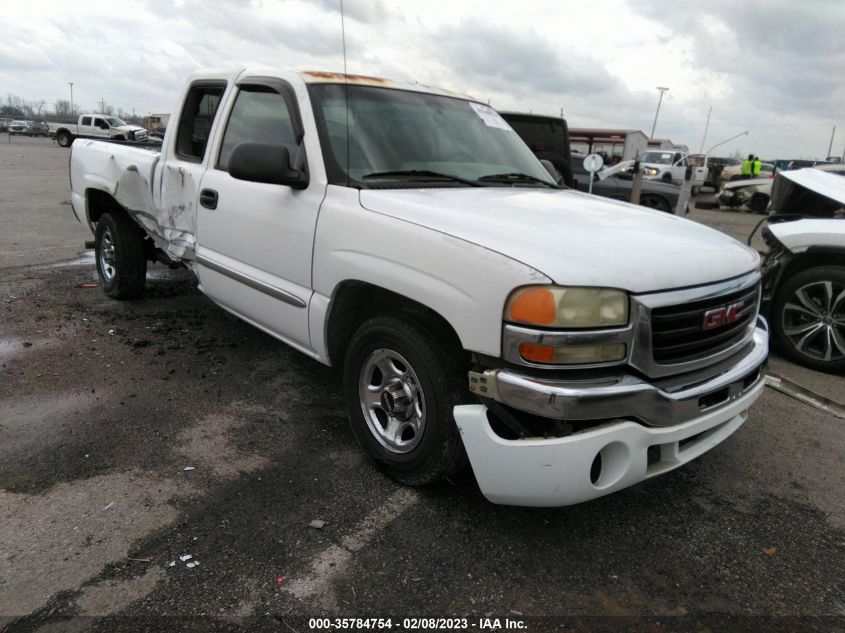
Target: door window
(260, 115)
(196, 120)
(86, 120)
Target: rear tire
(121, 256)
(400, 384)
(63, 138)
(658, 203)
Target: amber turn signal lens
(536, 305)
(537, 353)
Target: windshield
(661, 158)
(394, 131)
(114, 121)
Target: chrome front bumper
(626, 395)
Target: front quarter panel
(463, 282)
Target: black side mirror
(266, 162)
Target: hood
(572, 237)
(128, 128)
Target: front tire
(400, 384)
(808, 318)
(121, 257)
(759, 202)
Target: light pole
(71, 98)
(727, 140)
(662, 89)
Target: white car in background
(667, 166)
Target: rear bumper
(592, 463)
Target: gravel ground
(136, 433)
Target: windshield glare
(661, 158)
(398, 130)
(114, 121)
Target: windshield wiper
(514, 177)
(420, 174)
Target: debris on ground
(88, 284)
(185, 557)
(27, 344)
(189, 468)
(317, 523)
(192, 564)
(146, 559)
(770, 551)
(110, 504)
(172, 563)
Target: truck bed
(131, 175)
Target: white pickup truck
(100, 126)
(568, 346)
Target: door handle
(208, 198)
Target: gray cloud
(495, 54)
(783, 55)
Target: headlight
(562, 307)
(651, 171)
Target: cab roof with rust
(328, 77)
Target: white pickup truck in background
(100, 126)
(568, 346)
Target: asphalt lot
(136, 433)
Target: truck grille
(690, 331)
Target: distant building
(665, 143)
(626, 144)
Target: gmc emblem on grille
(718, 317)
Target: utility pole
(706, 127)
(102, 106)
(71, 98)
(830, 147)
(662, 89)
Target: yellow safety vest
(757, 166)
(746, 168)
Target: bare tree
(63, 109)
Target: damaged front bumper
(651, 431)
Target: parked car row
(27, 128)
(548, 138)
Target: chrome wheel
(814, 320)
(107, 260)
(392, 401)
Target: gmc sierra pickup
(565, 345)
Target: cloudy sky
(774, 68)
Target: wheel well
(98, 202)
(356, 301)
(812, 258)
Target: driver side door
(255, 239)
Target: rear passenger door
(256, 239)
